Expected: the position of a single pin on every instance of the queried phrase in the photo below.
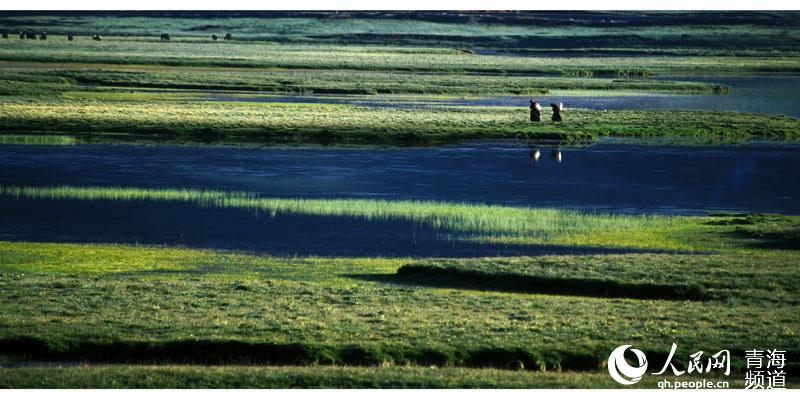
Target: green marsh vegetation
(476, 221)
(340, 81)
(732, 32)
(139, 304)
(260, 55)
(38, 139)
(349, 124)
(56, 86)
(183, 317)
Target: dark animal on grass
(43, 36)
(69, 37)
(214, 38)
(536, 111)
(96, 38)
(228, 36)
(557, 111)
(21, 35)
(31, 36)
(5, 35)
(165, 37)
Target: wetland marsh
(348, 200)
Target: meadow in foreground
(134, 304)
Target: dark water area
(183, 224)
(607, 177)
(775, 95)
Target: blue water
(608, 177)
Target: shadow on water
(181, 224)
(516, 283)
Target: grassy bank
(347, 124)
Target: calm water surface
(609, 177)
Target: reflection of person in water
(533, 156)
(557, 108)
(536, 111)
(556, 155)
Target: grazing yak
(21, 35)
(165, 37)
(69, 37)
(214, 38)
(43, 36)
(31, 36)
(5, 35)
(97, 38)
(228, 36)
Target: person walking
(536, 111)
(557, 111)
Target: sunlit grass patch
(38, 139)
(95, 118)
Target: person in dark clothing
(557, 111)
(536, 111)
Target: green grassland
(57, 87)
(52, 87)
(348, 124)
(380, 58)
(125, 315)
(35, 76)
(166, 305)
(134, 304)
(733, 32)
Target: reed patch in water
(523, 225)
